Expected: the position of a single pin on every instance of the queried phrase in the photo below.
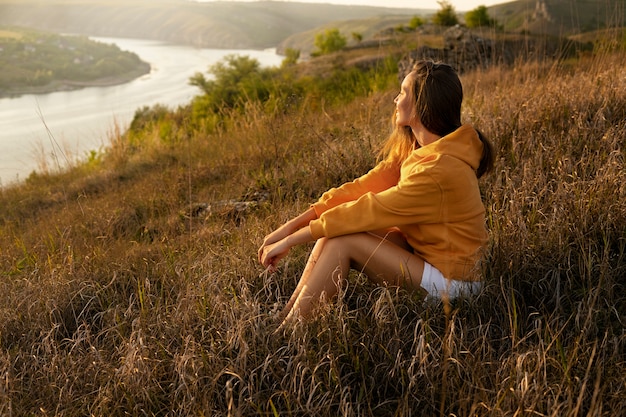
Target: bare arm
(293, 232)
(271, 254)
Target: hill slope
(560, 17)
(367, 27)
(130, 286)
(215, 24)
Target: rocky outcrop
(466, 51)
(462, 49)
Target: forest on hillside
(39, 62)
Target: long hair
(437, 93)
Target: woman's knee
(343, 245)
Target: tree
(446, 16)
(329, 41)
(236, 79)
(291, 57)
(416, 22)
(479, 17)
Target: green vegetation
(41, 62)
(329, 41)
(416, 22)
(446, 15)
(236, 80)
(131, 287)
(479, 17)
(240, 80)
(369, 29)
(291, 57)
(564, 18)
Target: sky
(459, 5)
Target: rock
(466, 51)
(462, 50)
(229, 208)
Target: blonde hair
(399, 145)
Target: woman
(416, 220)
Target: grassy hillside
(213, 24)
(559, 17)
(131, 287)
(368, 28)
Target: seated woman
(415, 220)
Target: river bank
(70, 85)
(35, 62)
(36, 129)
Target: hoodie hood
(463, 144)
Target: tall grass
(132, 287)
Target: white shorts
(437, 285)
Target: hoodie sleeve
(385, 175)
(418, 198)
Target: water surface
(66, 125)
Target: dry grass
(124, 294)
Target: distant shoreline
(68, 85)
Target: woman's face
(404, 102)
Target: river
(44, 131)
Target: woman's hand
(286, 230)
(276, 236)
(271, 253)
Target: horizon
(459, 5)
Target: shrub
(479, 17)
(239, 81)
(416, 22)
(330, 41)
(446, 16)
(291, 57)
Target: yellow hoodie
(432, 197)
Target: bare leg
(313, 257)
(383, 261)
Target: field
(130, 284)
